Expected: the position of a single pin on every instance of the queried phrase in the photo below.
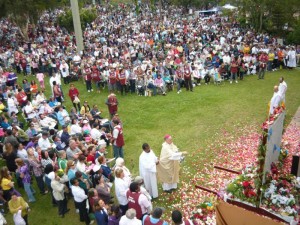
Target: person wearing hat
(177, 219)
(147, 169)
(154, 218)
(130, 218)
(169, 164)
(59, 188)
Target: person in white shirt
(76, 59)
(46, 121)
(226, 59)
(80, 199)
(64, 70)
(12, 104)
(55, 77)
(275, 100)
(75, 128)
(130, 218)
(44, 142)
(95, 133)
(147, 168)
(121, 187)
(29, 110)
(282, 88)
(120, 164)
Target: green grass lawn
(192, 118)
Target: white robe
(275, 101)
(291, 59)
(147, 168)
(282, 90)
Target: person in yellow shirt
(271, 56)
(6, 183)
(246, 49)
(17, 204)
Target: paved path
(296, 118)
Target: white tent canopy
(228, 6)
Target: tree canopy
(23, 12)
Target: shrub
(87, 15)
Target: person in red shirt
(138, 201)
(96, 77)
(187, 74)
(122, 80)
(112, 103)
(88, 78)
(263, 60)
(21, 97)
(112, 80)
(233, 70)
(118, 140)
(73, 93)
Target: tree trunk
(260, 20)
(22, 22)
(23, 30)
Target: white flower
(199, 211)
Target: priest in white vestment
(275, 100)
(282, 89)
(169, 165)
(147, 167)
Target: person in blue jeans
(23, 171)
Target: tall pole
(77, 25)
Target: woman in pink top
(40, 76)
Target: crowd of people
(147, 54)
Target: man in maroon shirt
(138, 201)
(88, 78)
(118, 139)
(73, 93)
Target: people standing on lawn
(138, 50)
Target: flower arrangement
(280, 192)
(243, 187)
(272, 117)
(204, 214)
